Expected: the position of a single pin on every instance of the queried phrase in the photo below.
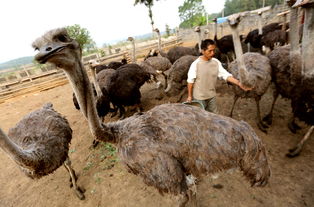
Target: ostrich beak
(47, 52)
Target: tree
(235, 6)
(191, 14)
(167, 30)
(149, 4)
(81, 35)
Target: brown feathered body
(178, 74)
(258, 75)
(173, 140)
(43, 137)
(293, 86)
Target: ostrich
(178, 74)
(39, 144)
(112, 65)
(252, 69)
(225, 44)
(123, 85)
(131, 39)
(293, 73)
(157, 65)
(274, 39)
(254, 37)
(163, 145)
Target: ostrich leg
(268, 119)
(235, 98)
(293, 126)
(166, 79)
(297, 149)
(259, 122)
(73, 178)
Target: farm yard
(107, 182)
(158, 151)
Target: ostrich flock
(172, 145)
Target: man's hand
(189, 99)
(245, 88)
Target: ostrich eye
(62, 38)
(36, 49)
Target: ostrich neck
(260, 27)
(294, 31)
(159, 41)
(238, 52)
(307, 43)
(133, 54)
(14, 151)
(98, 90)
(199, 41)
(83, 91)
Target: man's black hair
(206, 43)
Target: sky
(22, 21)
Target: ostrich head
(197, 29)
(57, 48)
(156, 30)
(131, 39)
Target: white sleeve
(222, 73)
(192, 72)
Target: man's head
(208, 47)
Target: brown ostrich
(252, 69)
(169, 142)
(293, 73)
(39, 144)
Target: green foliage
(191, 14)
(81, 35)
(235, 6)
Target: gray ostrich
(252, 69)
(39, 144)
(293, 73)
(178, 74)
(169, 142)
(157, 65)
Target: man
(203, 74)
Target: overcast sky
(22, 21)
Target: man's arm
(190, 92)
(231, 79)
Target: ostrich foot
(80, 193)
(268, 119)
(263, 127)
(297, 149)
(293, 127)
(95, 143)
(293, 152)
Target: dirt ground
(108, 184)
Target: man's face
(209, 52)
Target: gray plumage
(257, 76)
(178, 74)
(39, 144)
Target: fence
(33, 78)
